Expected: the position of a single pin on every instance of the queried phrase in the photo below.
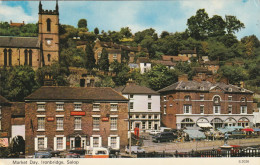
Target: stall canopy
(205, 125)
(229, 129)
(195, 134)
(247, 129)
(256, 129)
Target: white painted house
(144, 64)
(144, 106)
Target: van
(97, 152)
(164, 137)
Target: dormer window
(243, 99)
(216, 99)
(242, 90)
(202, 88)
(187, 98)
(230, 89)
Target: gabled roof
(203, 86)
(18, 109)
(135, 89)
(166, 63)
(76, 93)
(19, 42)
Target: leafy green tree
(216, 26)
(18, 82)
(233, 24)
(235, 74)
(73, 57)
(105, 81)
(160, 76)
(96, 31)
(124, 56)
(139, 36)
(82, 23)
(126, 32)
(90, 59)
(164, 34)
(103, 62)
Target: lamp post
(129, 127)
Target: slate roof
(175, 58)
(76, 93)
(18, 109)
(166, 63)
(3, 100)
(135, 89)
(143, 60)
(203, 86)
(19, 42)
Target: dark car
(42, 154)
(164, 137)
(72, 155)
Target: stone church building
(33, 51)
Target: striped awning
(204, 125)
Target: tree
(235, 74)
(82, 23)
(96, 31)
(126, 32)
(216, 26)
(164, 34)
(90, 59)
(122, 73)
(233, 24)
(198, 25)
(103, 62)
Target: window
(144, 64)
(77, 123)
(243, 99)
(41, 143)
(164, 98)
(230, 109)
(113, 107)
(95, 123)
(201, 97)
(243, 109)
(131, 105)
(25, 57)
(150, 117)
(96, 107)
(48, 24)
(144, 116)
(187, 109)
(216, 109)
(131, 96)
(60, 106)
(49, 57)
(137, 116)
(30, 57)
(95, 141)
(143, 125)
(187, 98)
(113, 123)
(230, 89)
(202, 88)
(59, 143)
(187, 122)
(201, 109)
(149, 125)
(216, 99)
(155, 116)
(113, 142)
(41, 123)
(164, 110)
(229, 98)
(130, 116)
(5, 57)
(114, 56)
(149, 96)
(77, 106)
(10, 57)
(59, 123)
(40, 106)
(149, 106)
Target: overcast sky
(170, 15)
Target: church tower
(49, 35)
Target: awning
(226, 129)
(247, 129)
(195, 134)
(204, 125)
(256, 129)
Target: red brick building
(190, 103)
(65, 118)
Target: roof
(174, 58)
(135, 89)
(166, 63)
(21, 42)
(3, 100)
(203, 86)
(18, 109)
(195, 134)
(143, 60)
(17, 24)
(202, 70)
(204, 125)
(76, 93)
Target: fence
(206, 153)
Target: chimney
(183, 77)
(48, 80)
(130, 82)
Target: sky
(167, 15)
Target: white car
(134, 149)
(154, 132)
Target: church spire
(57, 6)
(40, 6)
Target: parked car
(164, 137)
(154, 132)
(97, 152)
(237, 135)
(42, 154)
(134, 149)
(72, 155)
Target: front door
(77, 142)
(155, 126)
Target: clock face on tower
(48, 42)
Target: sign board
(104, 119)
(4, 142)
(3, 134)
(50, 118)
(68, 143)
(77, 113)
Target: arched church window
(30, 57)
(25, 57)
(10, 57)
(49, 57)
(48, 24)
(5, 57)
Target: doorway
(77, 142)
(155, 126)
